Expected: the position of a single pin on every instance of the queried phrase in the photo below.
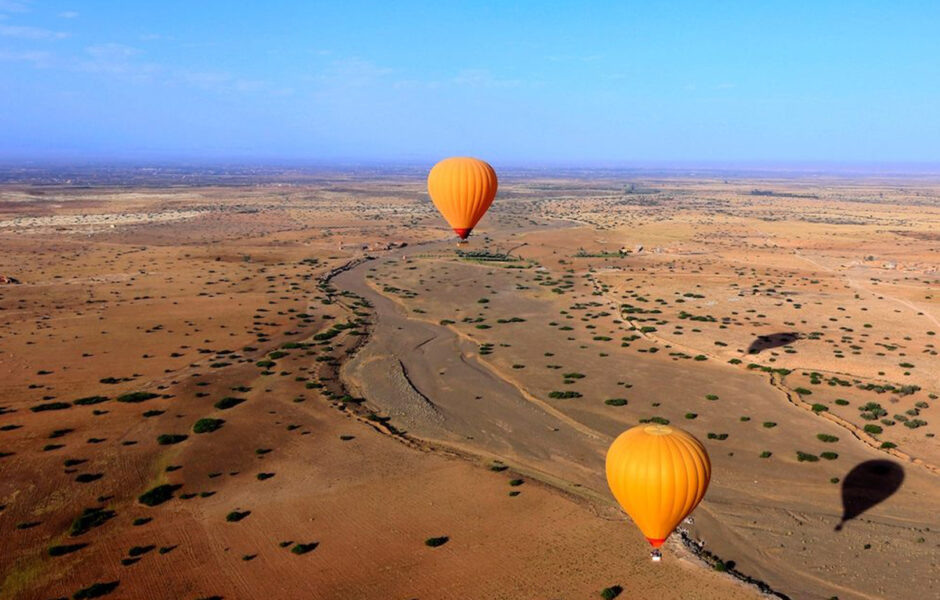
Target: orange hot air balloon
(462, 189)
(658, 474)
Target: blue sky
(524, 83)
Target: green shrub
(228, 402)
(766, 454)
(769, 424)
(89, 519)
(50, 406)
(873, 429)
(825, 437)
(818, 408)
(829, 455)
(96, 590)
(806, 457)
(304, 548)
(168, 439)
(564, 395)
(690, 415)
(137, 397)
(609, 593)
(158, 495)
(90, 400)
(236, 516)
(616, 402)
(206, 425)
(434, 542)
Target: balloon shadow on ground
(867, 484)
(773, 340)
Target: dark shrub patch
(96, 590)
(50, 406)
(304, 548)
(158, 495)
(616, 402)
(168, 439)
(89, 477)
(805, 457)
(434, 542)
(135, 397)
(89, 519)
(611, 592)
(228, 402)
(207, 425)
(236, 516)
(91, 400)
(263, 476)
(65, 549)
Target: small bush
(769, 424)
(434, 542)
(806, 457)
(96, 590)
(89, 519)
(50, 406)
(829, 455)
(616, 402)
(168, 439)
(873, 429)
(228, 402)
(766, 454)
(304, 548)
(825, 437)
(236, 516)
(137, 397)
(90, 400)
(609, 593)
(564, 395)
(691, 415)
(158, 495)
(207, 425)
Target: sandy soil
(343, 458)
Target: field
(301, 389)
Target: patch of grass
(434, 542)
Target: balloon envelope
(462, 189)
(658, 474)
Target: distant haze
(623, 84)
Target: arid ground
(302, 389)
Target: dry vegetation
(232, 391)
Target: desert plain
(298, 387)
